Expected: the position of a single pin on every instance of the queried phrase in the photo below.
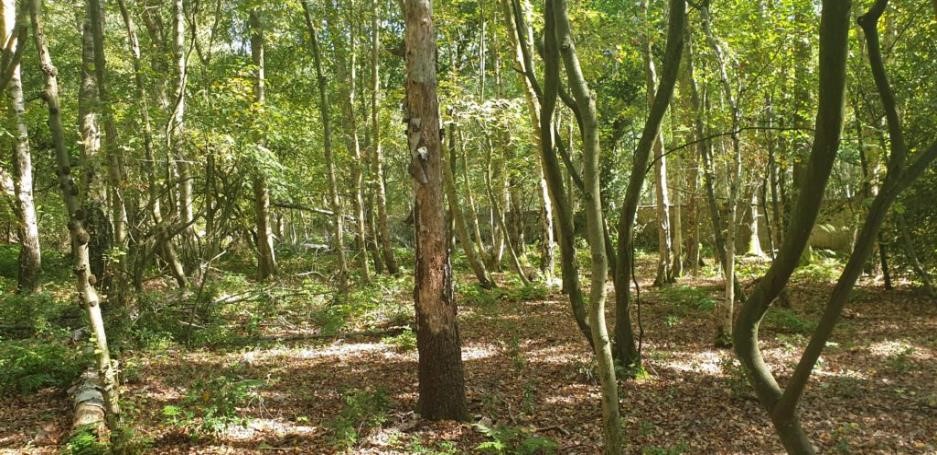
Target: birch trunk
(30, 259)
(79, 235)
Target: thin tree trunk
(677, 218)
(552, 172)
(114, 164)
(626, 352)
(337, 210)
(834, 28)
(347, 69)
(724, 319)
(470, 195)
(163, 245)
(754, 241)
(662, 206)
(503, 232)
(585, 100)
(176, 136)
(458, 219)
(904, 235)
(30, 259)
(71, 194)
(266, 258)
(688, 87)
(94, 198)
(378, 158)
(441, 381)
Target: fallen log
(88, 404)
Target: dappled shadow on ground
(527, 367)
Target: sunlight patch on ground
(706, 362)
(475, 351)
(338, 349)
(893, 348)
(258, 426)
(573, 394)
(558, 354)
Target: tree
(834, 28)
(377, 159)
(442, 386)
(626, 352)
(266, 259)
(79, 235)
(561, 42)
(30, 259)
(338, 213)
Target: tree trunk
(176, 136)
(380, 192)
(726, 312)
(754, 241)
(71, 194)
(677, 218)
(662, 206)
(626, 352)
(458, 219)
(688, 87)
(266, 258)
(163, 245)
(30, 259)
(338, 214)
(441, 381)
(114, 159)
(904, 235)
(94, 198)
(585, 100)
(515, 29)
(834, 30)
(503, 233)
(551, 166)
(347, 70)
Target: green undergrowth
(488, 300)
(363, 410)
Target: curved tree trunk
(834, 30)
(585, 100)
(626, 352)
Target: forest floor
(313, 374)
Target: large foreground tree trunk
(442, 384)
